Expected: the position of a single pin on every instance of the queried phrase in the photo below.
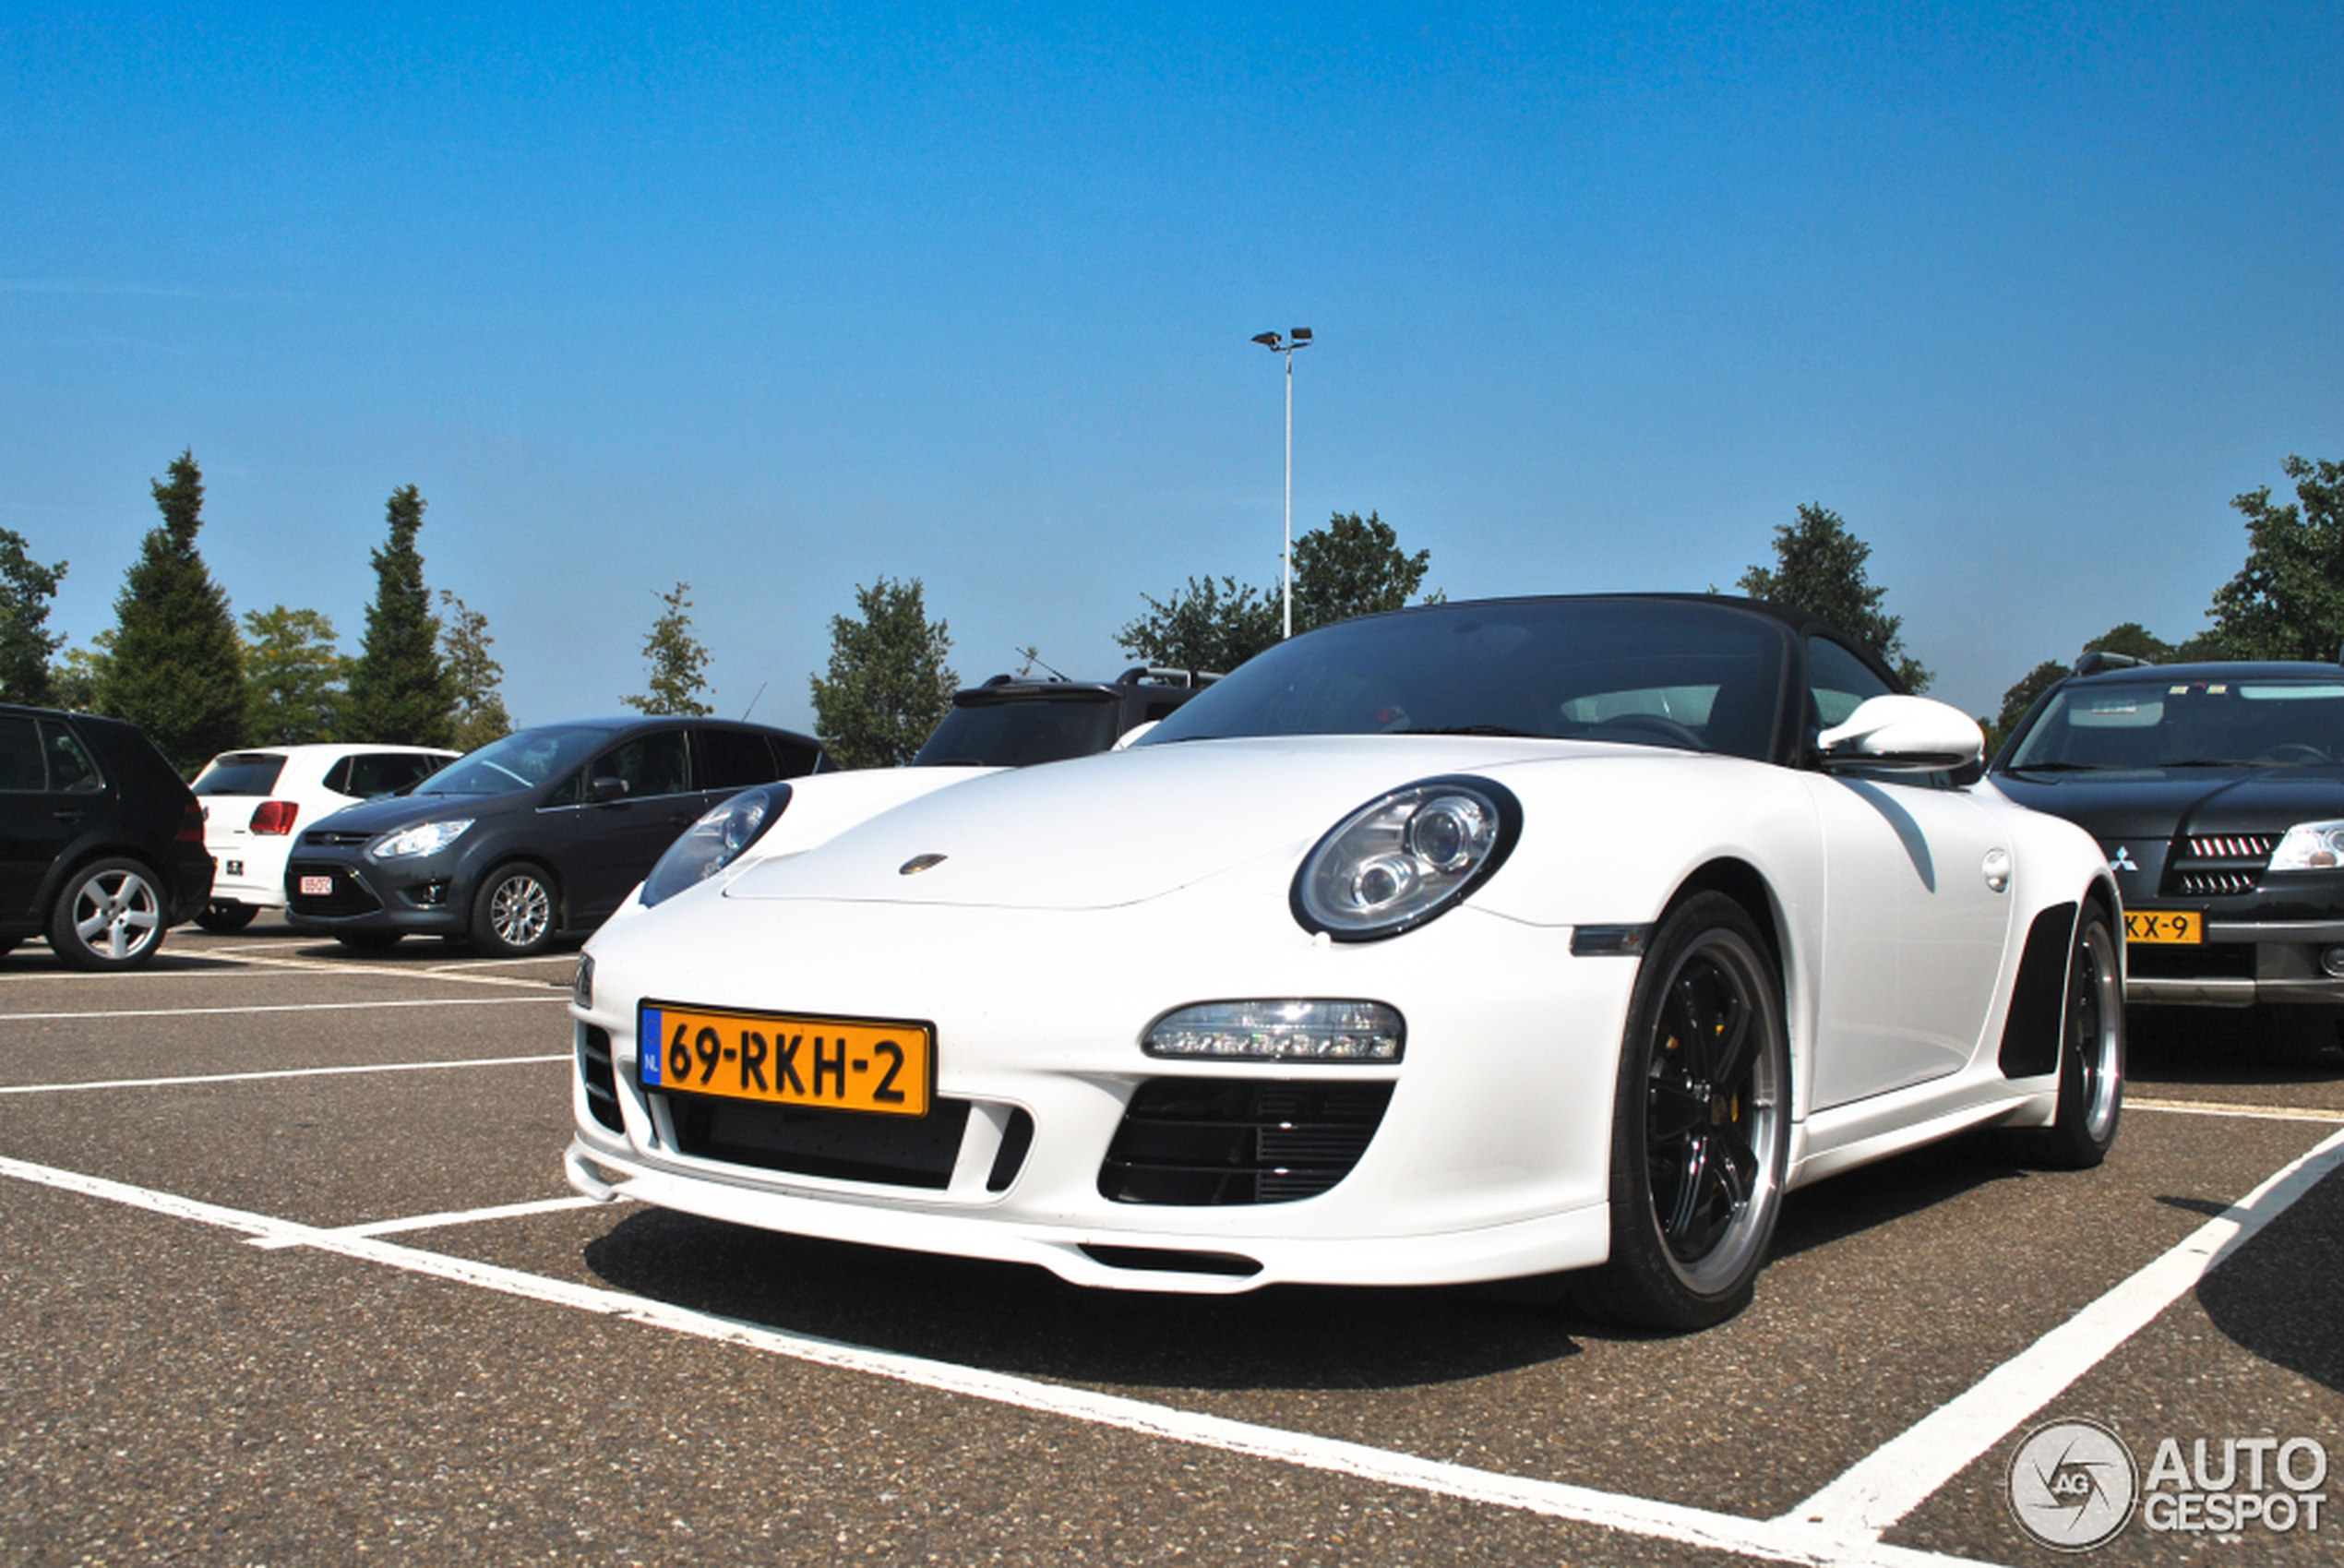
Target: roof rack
(2095, 660)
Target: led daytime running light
(1279, 1030)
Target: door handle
(71, 816)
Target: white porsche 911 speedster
(1469, 942)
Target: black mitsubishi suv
(2216, 792)
(1008, 723)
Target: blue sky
(777, 300)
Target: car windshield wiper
(2216, 763)
(2057, 768)
(1468, 729)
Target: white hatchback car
(252, 800)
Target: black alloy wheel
(1700, 1125)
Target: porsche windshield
(2194, 723)
(1650, 672)
(522, 760)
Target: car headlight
(715, 841)
(424, 838)
(2310, 846)
(1404, 856)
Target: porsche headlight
(424, 838)
(1404, 856)
(2310, 846)
(715, 841)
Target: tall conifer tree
(176, 666)
(399, 693)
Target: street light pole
(1299, 339)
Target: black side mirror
(602, 789)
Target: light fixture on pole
(1297, 339)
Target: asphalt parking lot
(289, 1274)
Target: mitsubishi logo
(2122, 860)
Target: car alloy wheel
(514, 915)
(2091, 1054)
(1701, 1126)
(110, 916)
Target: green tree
(80, 674)
(1209, 625)
(2287, 602)
(399, 689)
(1818, 566)
(294, 678)
(678, 661)
(1352, 567)
(26, 642)
(176, 666)
(889, 686)
(474, 675)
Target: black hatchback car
(2216, 792)
(100, 842)
(544, 832)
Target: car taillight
(274, 817)
(191, 825)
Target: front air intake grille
(2217, 865)
(325, 839)
(594, 1071)
(893, 1151)
(1215, 1141)
(344, 895)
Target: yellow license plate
(864, 1064)
(2164, 925)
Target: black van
(544, 832)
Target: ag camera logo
(2073, 1485)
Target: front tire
(513, 914)
(226, 915)
(2091, 1055)
(109, 916)
(1700, 1125)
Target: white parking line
(1896, 1477)
(1774, 1540)
(277, 1007)
(441, 972)
(276, 1072)
(434, 1222)
(2215, 1107)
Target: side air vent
(602, 1083)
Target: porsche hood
(1100, 832)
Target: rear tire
(514, 913)
(110, 916)
(226, 915)
(2091, 1055)
(1701, 1126)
